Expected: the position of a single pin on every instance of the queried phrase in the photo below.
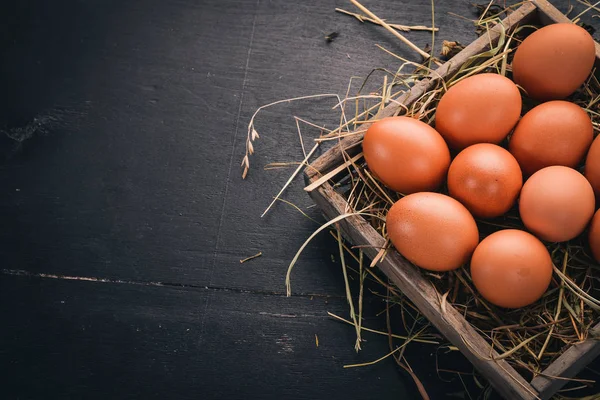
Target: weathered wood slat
(569, 364)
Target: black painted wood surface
(123, 215)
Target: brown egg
(483, 108)
(511, 268)
(554, 61)
(407, 155)
(556, 203)
(432, 230)
(592, 166)
(553, 133)
(486, 179)
(594, 236)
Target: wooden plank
(128, 181)
(548, 14)
(421, 292)
(106, 340)
(333, 157)
(569, 364)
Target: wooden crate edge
(569, 364)
(410, 281)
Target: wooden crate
(408, 278)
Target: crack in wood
(18, 272)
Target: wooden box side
(569, 364)
(421, 292)
(408, 278)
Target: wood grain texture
(569, 364)
(95, 340)
(290, 58)
(135, 112)
(132, 185)
(140, 177)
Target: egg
(511, 268)
(552, 62)
(407, 155)
(483, 108)
(592, 166)
(556, 203)
(594, 236)
(432, 230)
(553, 133)
(486, 179)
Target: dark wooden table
(123, 216)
